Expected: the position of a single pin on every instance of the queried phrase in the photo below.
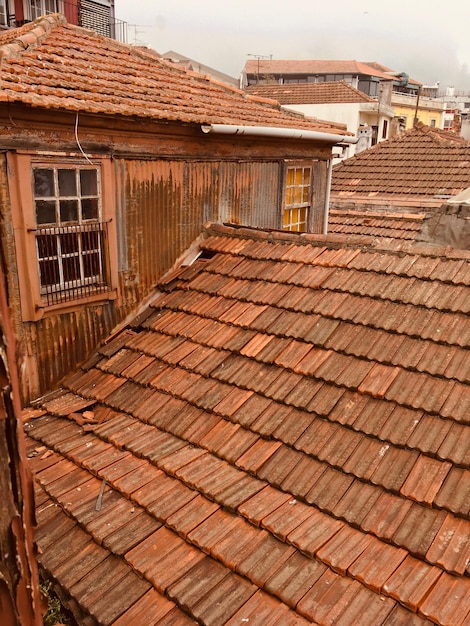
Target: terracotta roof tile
(291, 452)
(124, 80)
(310, 93)
(421, 163)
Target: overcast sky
(429, 40)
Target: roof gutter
(279, 132)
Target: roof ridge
(365, 242)
(38, 30)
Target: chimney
(457, 122)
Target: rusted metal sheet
(249, 193)
(60, 342)
(19, 582)
(161, 208)
(163, 205)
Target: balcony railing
(85, 13)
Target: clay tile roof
(404, 227)
(54, 65)
(310, 93)
(317, 66)
(282, 437)
(423, 162)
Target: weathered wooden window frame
(35, 303)
(43, 8)
(289, 205)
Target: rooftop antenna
(258, 57)
(139, 29)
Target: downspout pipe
(326, 212)
(278, 132)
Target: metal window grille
(71, 239)
(72, 261)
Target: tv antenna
(259, 57)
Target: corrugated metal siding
(163, 205)
(319, 193)
(62, 341)
(249, 194)
(161, 208)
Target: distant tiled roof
(321, 66)
(196, 66)
(281, 437)
(390, 226)
(311, 66)
(310, 93)
(51, 64)
(422, 162)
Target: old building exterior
(112, 161)
(410, 108)
(340, 102)
(371, 78)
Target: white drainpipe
(327, 197)
(281, 132)
(287, 133)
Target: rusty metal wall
(249, 194)
(161, 208)
(59, 342)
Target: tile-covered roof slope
(400, 226)
(322, 66)
(281, 437)
(312, 66)
(51, 64)
(423, 161)
(310, 93)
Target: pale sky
(429, 40)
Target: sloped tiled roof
(183, 61)
(312, 66)
(403, 227)
(310, 93)
(54, 65)
(422, 162)
(321, 66)
(281, 437)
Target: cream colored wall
(425, 114)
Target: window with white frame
(3, 13)
(297, 197)
(71, 237)
(35, 8)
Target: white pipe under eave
(280, 132)
(326, 212)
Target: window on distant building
(297, 197)
(385, 129)
(35, 8)
(69, 236)
(433, 122)
(3, 13)
(448, 124)
(369, 87)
